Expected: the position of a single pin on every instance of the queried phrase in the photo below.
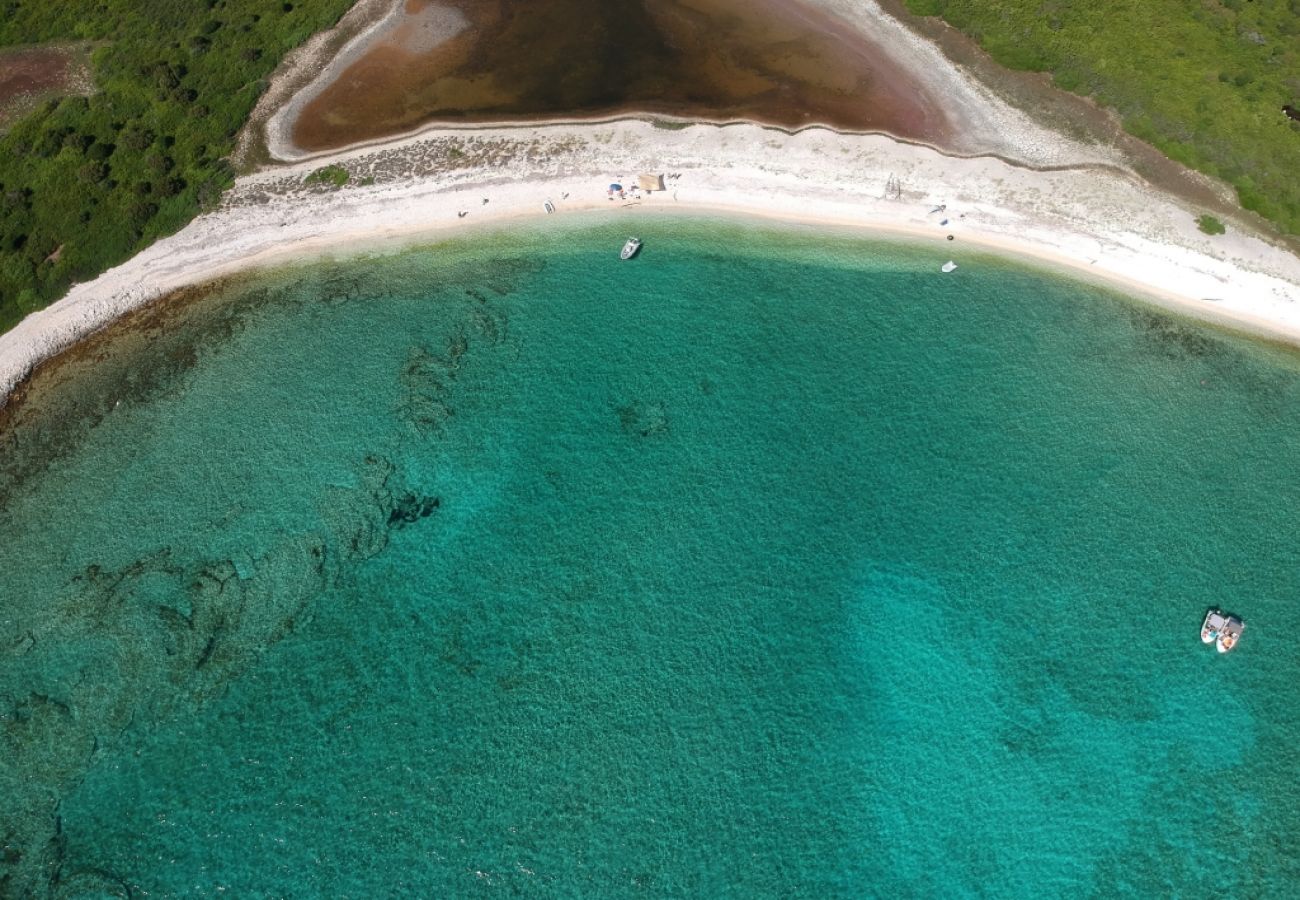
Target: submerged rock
(411, 508)
(643, 419)
(424, 390)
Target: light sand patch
(421, 30)
(30, 75)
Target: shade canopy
(616, 187)
(650, 182)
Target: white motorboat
(1221, 630)
(549, 207)
(1211, 627)
(1230, 634)
(948, 266)
(630, 248)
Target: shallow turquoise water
(770, 564)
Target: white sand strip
(1099, 221)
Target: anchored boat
(948, 266)
(1221, 630)
(630, 248)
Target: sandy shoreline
(1097, 220)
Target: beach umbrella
(616, 187)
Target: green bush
(105, 175)
(1210, 225)
(332, 174)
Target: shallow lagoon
(770, 563)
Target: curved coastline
(1100, 222)
(334, 469)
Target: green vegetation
(1203, 81)
(331, 174)
(88, 181)
(1210, 225)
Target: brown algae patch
(490, 60)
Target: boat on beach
(1221, 630)
(630, 248)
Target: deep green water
(772, 563)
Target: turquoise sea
(772, 563)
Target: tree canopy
(88, 181)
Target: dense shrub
(1210, 225)
(334, 175)
(1205, 82)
